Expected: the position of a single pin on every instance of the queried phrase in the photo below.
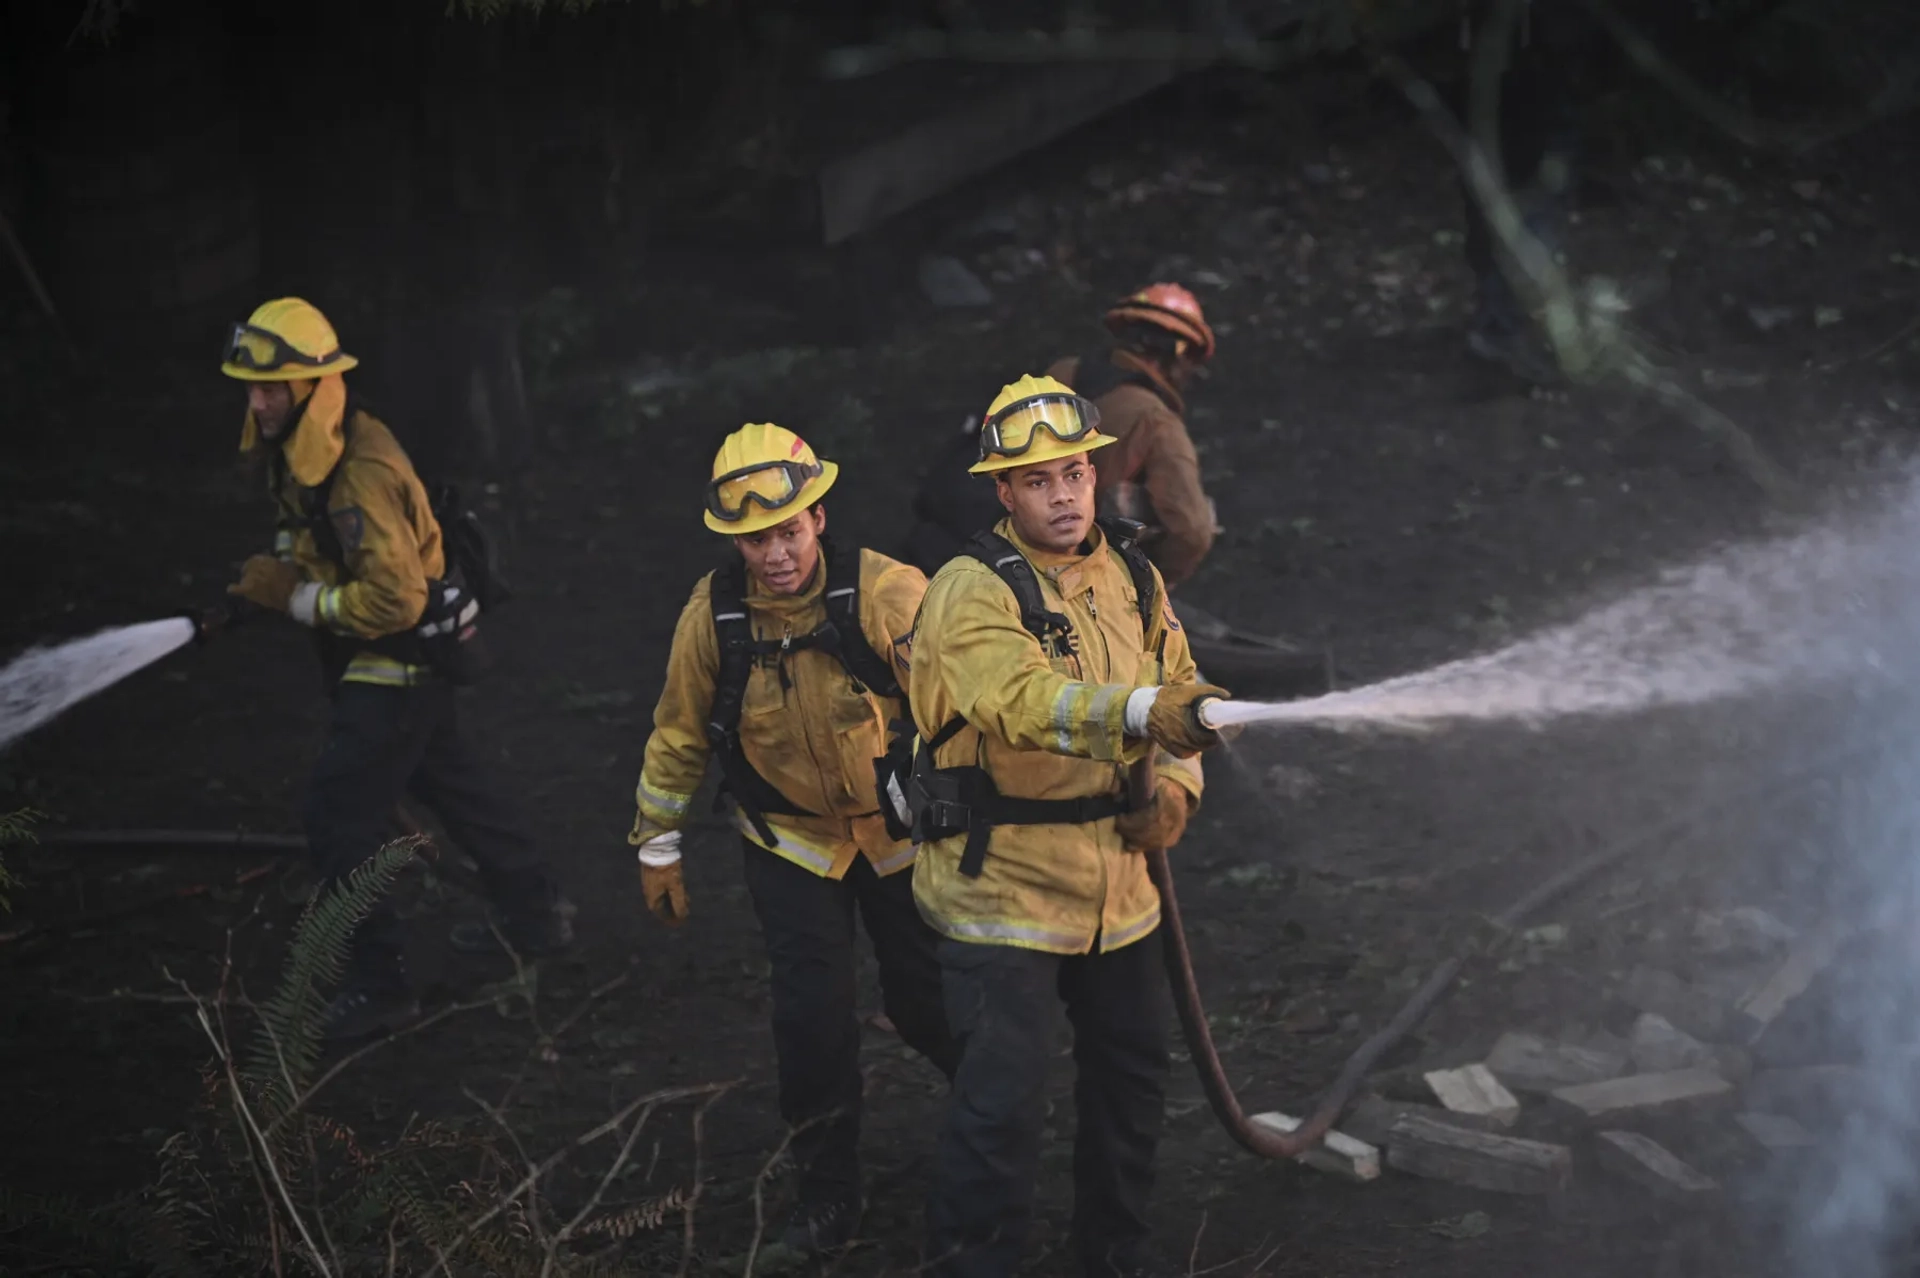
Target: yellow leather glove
(1159, 825)
(1174, 721)
(666, 892)
(661, 884)
(267, 581)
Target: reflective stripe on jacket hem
(800, 854)
(1134, 931)
(1025, 936)
(368, 667)
(898, 861)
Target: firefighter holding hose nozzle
(360, 558)
(1048, 662)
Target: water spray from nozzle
(43, 683)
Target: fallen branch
(360, 1052)
(113, 914)
(40, 294)
(694, 1193)
(614, 1169)
(1894, 96)
(538, 1171)
(264, 1150)
(1587, 337)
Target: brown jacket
(1155, 453)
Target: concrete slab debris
(1687, 1006)
(1745, 929)
(1808, 957)
(1646, 1163)
(1338, 1153)
(1658, 1047)
(1472, 1089)
(1774, 1131)
(1619, 1096)
(1371, 1117)
(1503, 1164)
(1530, 1063)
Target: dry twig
(538, 1171)
(260, 1151)
(599, 1191)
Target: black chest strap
(949, 801)
(841, 636)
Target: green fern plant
(16, 830)
(215, 1206)
(289, 1033)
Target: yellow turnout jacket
(378, 511)
(805, 725)
(1043, 728)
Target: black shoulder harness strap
(841, 636)
(948, 801)
(1098, 374)
(1051, 628)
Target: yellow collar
(1049, 561)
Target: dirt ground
(1379, 492)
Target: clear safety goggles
(770, 484)
(1011, 431)
(264, 352)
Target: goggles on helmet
(772, 484)
(264, 351)
(1011, 431)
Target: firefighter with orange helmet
(1161, 342)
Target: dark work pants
(382, 744)
(808, 924)
(1005, 1004)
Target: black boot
(535, 932)
(821, 1229)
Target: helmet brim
(1195, 331)
(290, 372)
(1050, 449)
(762, 519)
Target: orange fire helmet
(1167, 306)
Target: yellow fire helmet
(1037, 419)
(764, 475)
(285, 340)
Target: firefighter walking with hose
(361, 560)
(786, 669)
(1047, 663)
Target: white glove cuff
(301, 607)
(661, 850)
(1139, 705)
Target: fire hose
(1263, 1141)
(1271, 1143)
(1268, 1142)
